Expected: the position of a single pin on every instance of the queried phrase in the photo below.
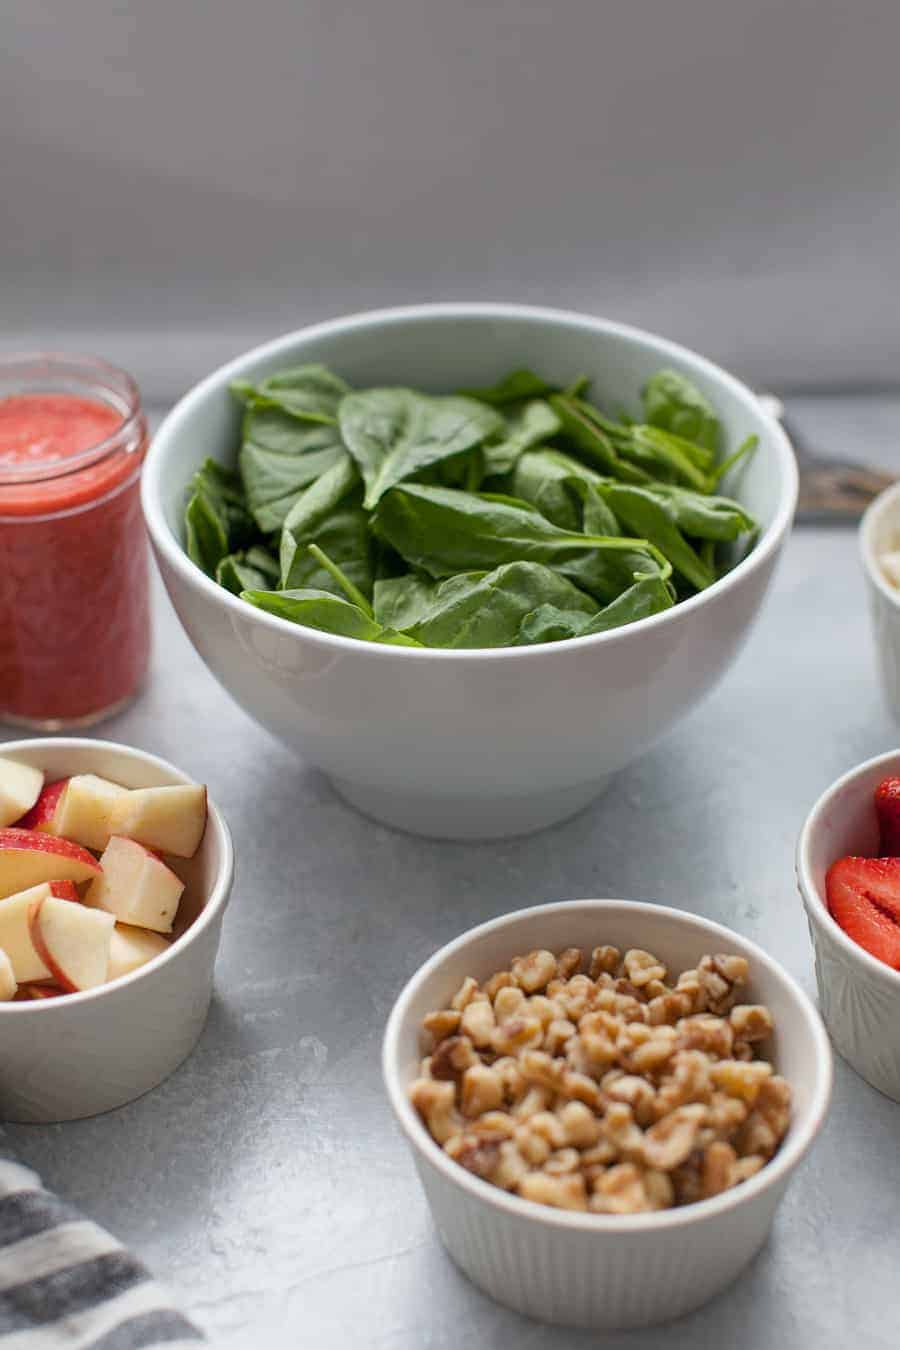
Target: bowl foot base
(467, 817)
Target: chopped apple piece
(71, 940)
(40, 817)
(9, 985)
(136, 886)
(132, 947)
(171, 819)
(20, 787)
(84, 810)
(28, 858)
(16, 939)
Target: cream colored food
(599, 1085)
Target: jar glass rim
(68, 372)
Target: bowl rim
(216, 900)
(879, 507)
(171, 548)
(774, 1171)
(813, 901)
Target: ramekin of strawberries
(848, 872)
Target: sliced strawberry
(40, 817)
(887, 809)
(864, 898)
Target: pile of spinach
(493, 517)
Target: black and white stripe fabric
(66, 1282)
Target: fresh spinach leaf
(442, 531)
(281, 456)
(253, 570)
(565, 491)
(475, 609)
(329, 514)
(527, 426)
(641, 512)
(550, 623)
(217, 521)
(340, 577)
(674, 402)
(513, 388)
(330, 613)
(395, 433)
(311, 393)
(593, 442)
(667, 457)
(706, 517)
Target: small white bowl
(469, 744)
(879, 533)
(858, 994)
(587, 1269)
(74, 1056)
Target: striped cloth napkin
(66, 1282)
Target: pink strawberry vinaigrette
(74, 609)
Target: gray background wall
(181, 179)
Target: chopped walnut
(509, 1003)
(452, 1057)
(440, 1025)
(705, 1031)
(568, 963)
(464, 994)
(502, 980)
(481, 1090)
(751, 1022)
(478, 1022)
(534, 971)
(620, 1190)
(519, 1033)
(436, 1104)
(671, 1140)
(613, 1091)
(566, 1192)
(641, 968)
(604, 960)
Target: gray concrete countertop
(265, 1181)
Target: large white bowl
(589, 1269)
(858, 994)
(64, 1058)
(468, 744)
(879, 533)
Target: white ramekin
(593, 1270)
(858, 994)
(64, 1058)
(472, 743)
(879, 532)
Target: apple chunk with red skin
(15, 937)
(84, 810)
(20, 787)
(72, 941)
(27, 858)
(9, 985)
(132, 948)
(40, 817)
(171, 819)
(136, 886)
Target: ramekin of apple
(115, 871)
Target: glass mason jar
(74, 604)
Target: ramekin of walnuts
(605, 1101)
